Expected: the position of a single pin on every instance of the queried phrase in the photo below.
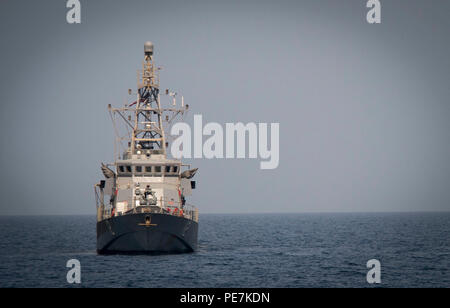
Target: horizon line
(255, 213)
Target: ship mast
(147, 135)
(148, 132)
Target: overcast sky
(363, 109)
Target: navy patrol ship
(141, 202)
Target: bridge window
(139, 169)
(171, 171)
(158, 169)
(128, 169)
(148, 169)
(121, 169)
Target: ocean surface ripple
(261, 250)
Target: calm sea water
(297, 250)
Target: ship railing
(176, 208)
(171, 207)
(99, 201)
(188, 211)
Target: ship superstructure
(141, 203)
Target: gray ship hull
(146, 233)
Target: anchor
(148, 222)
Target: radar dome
(148, 48)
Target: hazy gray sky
(363, 109)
